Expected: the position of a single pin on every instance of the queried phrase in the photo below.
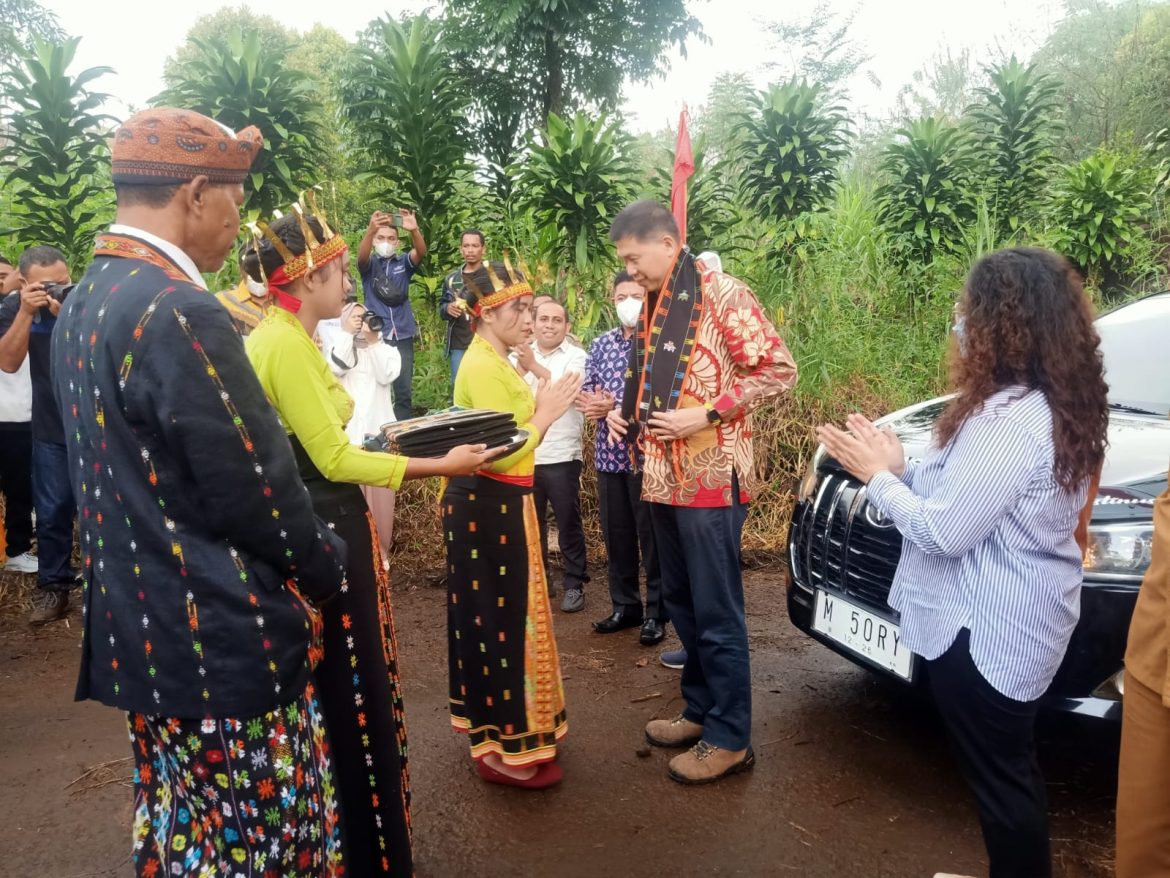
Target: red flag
(684, 167)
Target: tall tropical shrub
(925, 199)
(1015, 124)
(575, 178)
(1098, 208)
(53, 158)
(1157, 151)
(239, 82)
(406, 114)
(21, 23)
(793, 143)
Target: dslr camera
(370, 320)
(59, 292)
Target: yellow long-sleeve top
(488, 381)
(312, 405)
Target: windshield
(1134, 341)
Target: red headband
(297, 268)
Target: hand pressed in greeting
(595, 404)
(557, 397)
(525, 357)
(678, 424)
(618, 426)
(865, 450)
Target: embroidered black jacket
(191, 511)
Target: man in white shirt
(16, 449)
(558, 458)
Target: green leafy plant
(53, 158)
(563, 55)
(406, 114)
(1014, 125)
(792, 148)
(1158, 153)
(575, 179)
(1099, 207)
(925, 200)
(22, 22)
(238, 82)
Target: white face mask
(257, 289)
(385, 249)
(960, 332)
(628, 311)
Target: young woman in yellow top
(357, 677)
(506, 691)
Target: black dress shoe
(617, 622)
(653, 632)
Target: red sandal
(547, 775)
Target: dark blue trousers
(56, 509)
(698, 551)
(403, 384)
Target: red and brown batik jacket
(738, 362)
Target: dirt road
(851, 780)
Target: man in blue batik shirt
(625, 519)
(386, 275)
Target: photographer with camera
(366, 367)
(27, 319)
(386, 275)
(452, 308)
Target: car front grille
(839, 543)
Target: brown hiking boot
(48, 606)
(676, 732)
(704, 763)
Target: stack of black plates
(435, 434)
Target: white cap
(711, 259)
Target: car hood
(1136, 461)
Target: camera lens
(374, 322)
(59, 291)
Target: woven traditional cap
(164, 146)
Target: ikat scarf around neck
(661, 357)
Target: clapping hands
(863, 449)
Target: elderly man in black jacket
(201, 553)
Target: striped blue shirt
(989, 545)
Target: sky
(901, 36)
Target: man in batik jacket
(201, 554)
(704, 355)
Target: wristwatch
(712, 415)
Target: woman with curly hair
(988, 586)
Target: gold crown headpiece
(512, 286)
(318, 252)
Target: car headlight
(1120, 549)
(808, 483)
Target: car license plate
(864, 633)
